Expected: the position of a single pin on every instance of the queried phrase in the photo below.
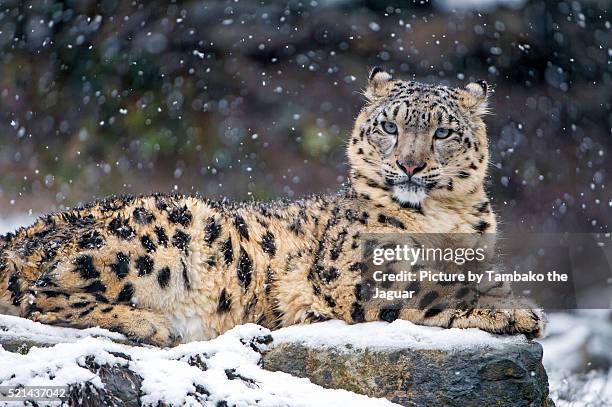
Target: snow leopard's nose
(411, 167)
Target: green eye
(442, 133)
(389, 127)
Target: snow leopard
(166, 269)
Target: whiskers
(450, 172)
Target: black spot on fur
(75, 219)
(122, 266)
(374, 184)
(95, 287)
(336, 249)
(245, 268)
(106, 310)
(100, 298)
(435, 310)
(450, 185)
(241, 227)
(126, 293)
(14, 287)
(228, 252)
(358, 267)
(148, 244)
(46, 279)
(390, 220)
(186, 276)
(329, 300)
(483, 207)
(85, 267)
(388, 314)
(330, 274)
(481, 226)
(86, 312)
(462, 292)
(30, 246)
(144, 265)
(91, 240)
(212, 230)
(121, 228)
(181, 240)
(181, 215)
(3, 263)
(111, 204)
(296, 225)
(53, 294)
(163, 277)
(357, 313)
(225, 302)
(358, 291)
(413, 286)
(268, 244)
(463, 174)
(143, 216)
(160, 203)
(162, 237)
(428, 299)
(351, 215)
(80, 304)
(246, 312)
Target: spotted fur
(169, 268)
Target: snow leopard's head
(414, 141)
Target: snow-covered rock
(225, 371)
(414, 365)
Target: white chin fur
(412, 196)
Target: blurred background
(255, 99)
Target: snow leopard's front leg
(433, 306)
(522, 318)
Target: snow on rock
(414, 365)
(396, 335)
(227, 368)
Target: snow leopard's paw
(502, 321)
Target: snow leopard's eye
(442, 133)
(389, 127)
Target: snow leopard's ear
(474, 97)
(379, 82)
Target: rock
(486, 374)
(407, 364)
